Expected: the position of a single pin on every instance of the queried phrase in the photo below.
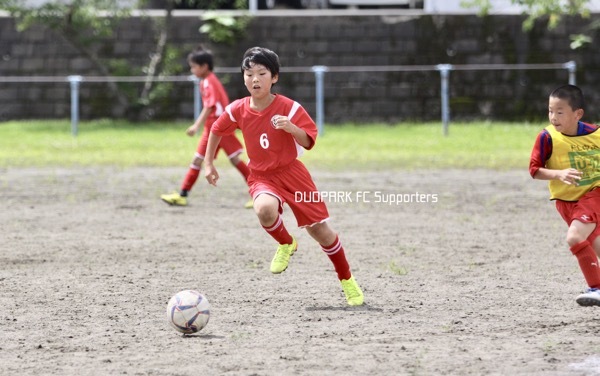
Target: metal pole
(74, 82)
(320, 95)
(253, 6)
(571, 66)
(445, 73)
(197, 100)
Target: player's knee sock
(336, 254)
(243, 169)
(588, 262)
(278, 231)
(190, 179)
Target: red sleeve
(209, 98)
(303, 121)
(542, 149)
(227, 123)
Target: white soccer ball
(188, 311)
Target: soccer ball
(188, 311)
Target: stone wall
(417, 40)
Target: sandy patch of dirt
(479, 282)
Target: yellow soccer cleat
(354, 294)
(249, 204)
(174, 199)
(282, 256)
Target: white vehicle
(497, 7)
(376, 3)
(304, 4)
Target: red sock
(336, 254)
(190, 178)
(243, 169)
(588, 262)
(278, 231)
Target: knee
(266, 213)
(322, 233)
(574, 237)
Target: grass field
(375, 146)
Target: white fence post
(445, 74)
(74, 82)
(320, 95)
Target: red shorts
(230, 144)
(294, 186)
(586, 210)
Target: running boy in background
(214, 100)
(567, 153)
(276, 129)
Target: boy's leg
(331, 245)
(233, 148)
(192, 175)
(190, 178)
(241, 166)
(577, 238)
(267, 207)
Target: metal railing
(319, 71)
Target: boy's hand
(281, 122)
(570, 176)
(211, 174)
(192, 130)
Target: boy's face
(258, 80)
(563, 117)
(200, 71)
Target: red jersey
(268, 148)
(542, 149)
(213, 95)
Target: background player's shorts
(586, 210)
(230, 144)
(294, 186)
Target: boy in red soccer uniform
(214, 100)
(276, 129)
(567, 153)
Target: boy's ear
(579, 113)
(274, 79)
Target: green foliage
(223, 28)
(171, 67)
(405, 146)
(87, 24)
(212, 4)
(78, 18)
(552, 10)
(580, 40)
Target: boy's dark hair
(201, 56)
(572, 94)
(262, 56)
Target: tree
(84, 24)
(552, 10)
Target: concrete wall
(417, 39)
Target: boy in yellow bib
(567, 154)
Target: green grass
(375, 146)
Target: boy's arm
(210, 172)
(569, 176)
(193, 129)
(301, 137)
(542, 149)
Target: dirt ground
(472, 277)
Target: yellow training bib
(579, 152)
